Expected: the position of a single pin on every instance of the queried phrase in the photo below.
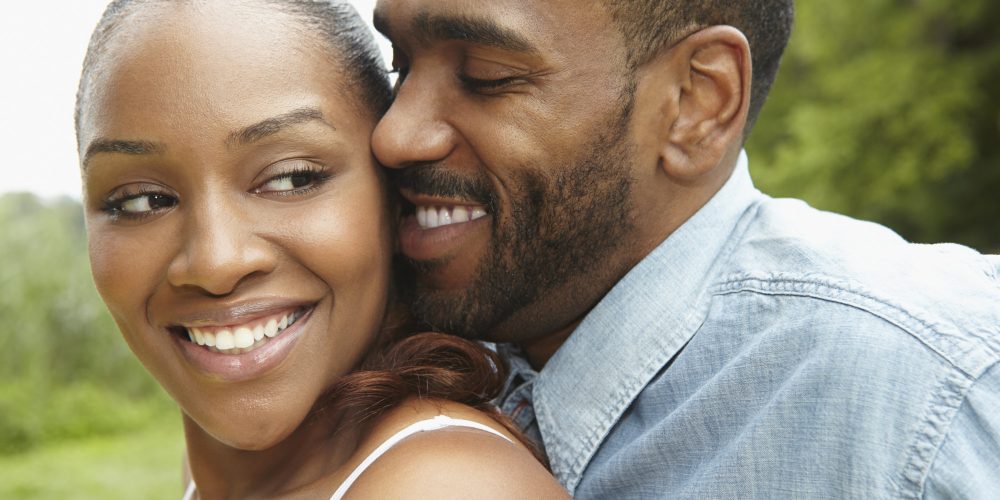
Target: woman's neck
(314, 451)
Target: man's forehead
(426, 27)
(516, 25)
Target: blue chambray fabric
(770, 350)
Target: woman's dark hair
(402, 365)
(335, 23)
(425, 365)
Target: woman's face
(232, 199)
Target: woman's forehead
(179, 64)
(205, 34)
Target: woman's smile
(241, 338)
(245, 342)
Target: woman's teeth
(243, 338)
(432, 217)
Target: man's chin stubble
(563, 245)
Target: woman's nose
(220, 249)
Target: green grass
(144, 463)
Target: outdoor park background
(886, 110)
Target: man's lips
(439, 227)
(465, 241)
(432, 217)
(432, 212)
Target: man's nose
(416, 129)
(220, 249)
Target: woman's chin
(243, 433)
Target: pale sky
(42, 44)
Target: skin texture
(562, 126)
(225, 181)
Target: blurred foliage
(142, 464)
(64, 370)
(889, 110)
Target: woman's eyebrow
(102, 145)
(275, 124)
(241, 137)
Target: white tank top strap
(431, 424)
(189, 492)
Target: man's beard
(559, 227)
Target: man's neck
(674, 207)
(539, 350)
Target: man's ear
(704, 99)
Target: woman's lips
(237, 339)
(218, 352)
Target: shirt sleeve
(968, 462)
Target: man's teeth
(432, 217)
(242, 338)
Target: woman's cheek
(125, 269)
(346, 237)
(109, 268)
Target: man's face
(510, 140)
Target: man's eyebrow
(275, 124)
(477, 30)
(98, 146)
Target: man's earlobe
(712, 102)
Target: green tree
(64, 370)
(888, 110)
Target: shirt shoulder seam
(929, 333)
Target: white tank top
(431, 424)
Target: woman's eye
(295, 182)
(138, 205)
(288, 182)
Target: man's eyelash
(487, 84)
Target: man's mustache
(431, 179)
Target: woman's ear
(703, 87)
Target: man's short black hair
(650, 25)
(334, 23)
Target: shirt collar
(634, 331)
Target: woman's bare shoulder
(452, 462)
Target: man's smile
(437, 228)
(438, 233)
(430, 217)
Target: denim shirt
(770, 350)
